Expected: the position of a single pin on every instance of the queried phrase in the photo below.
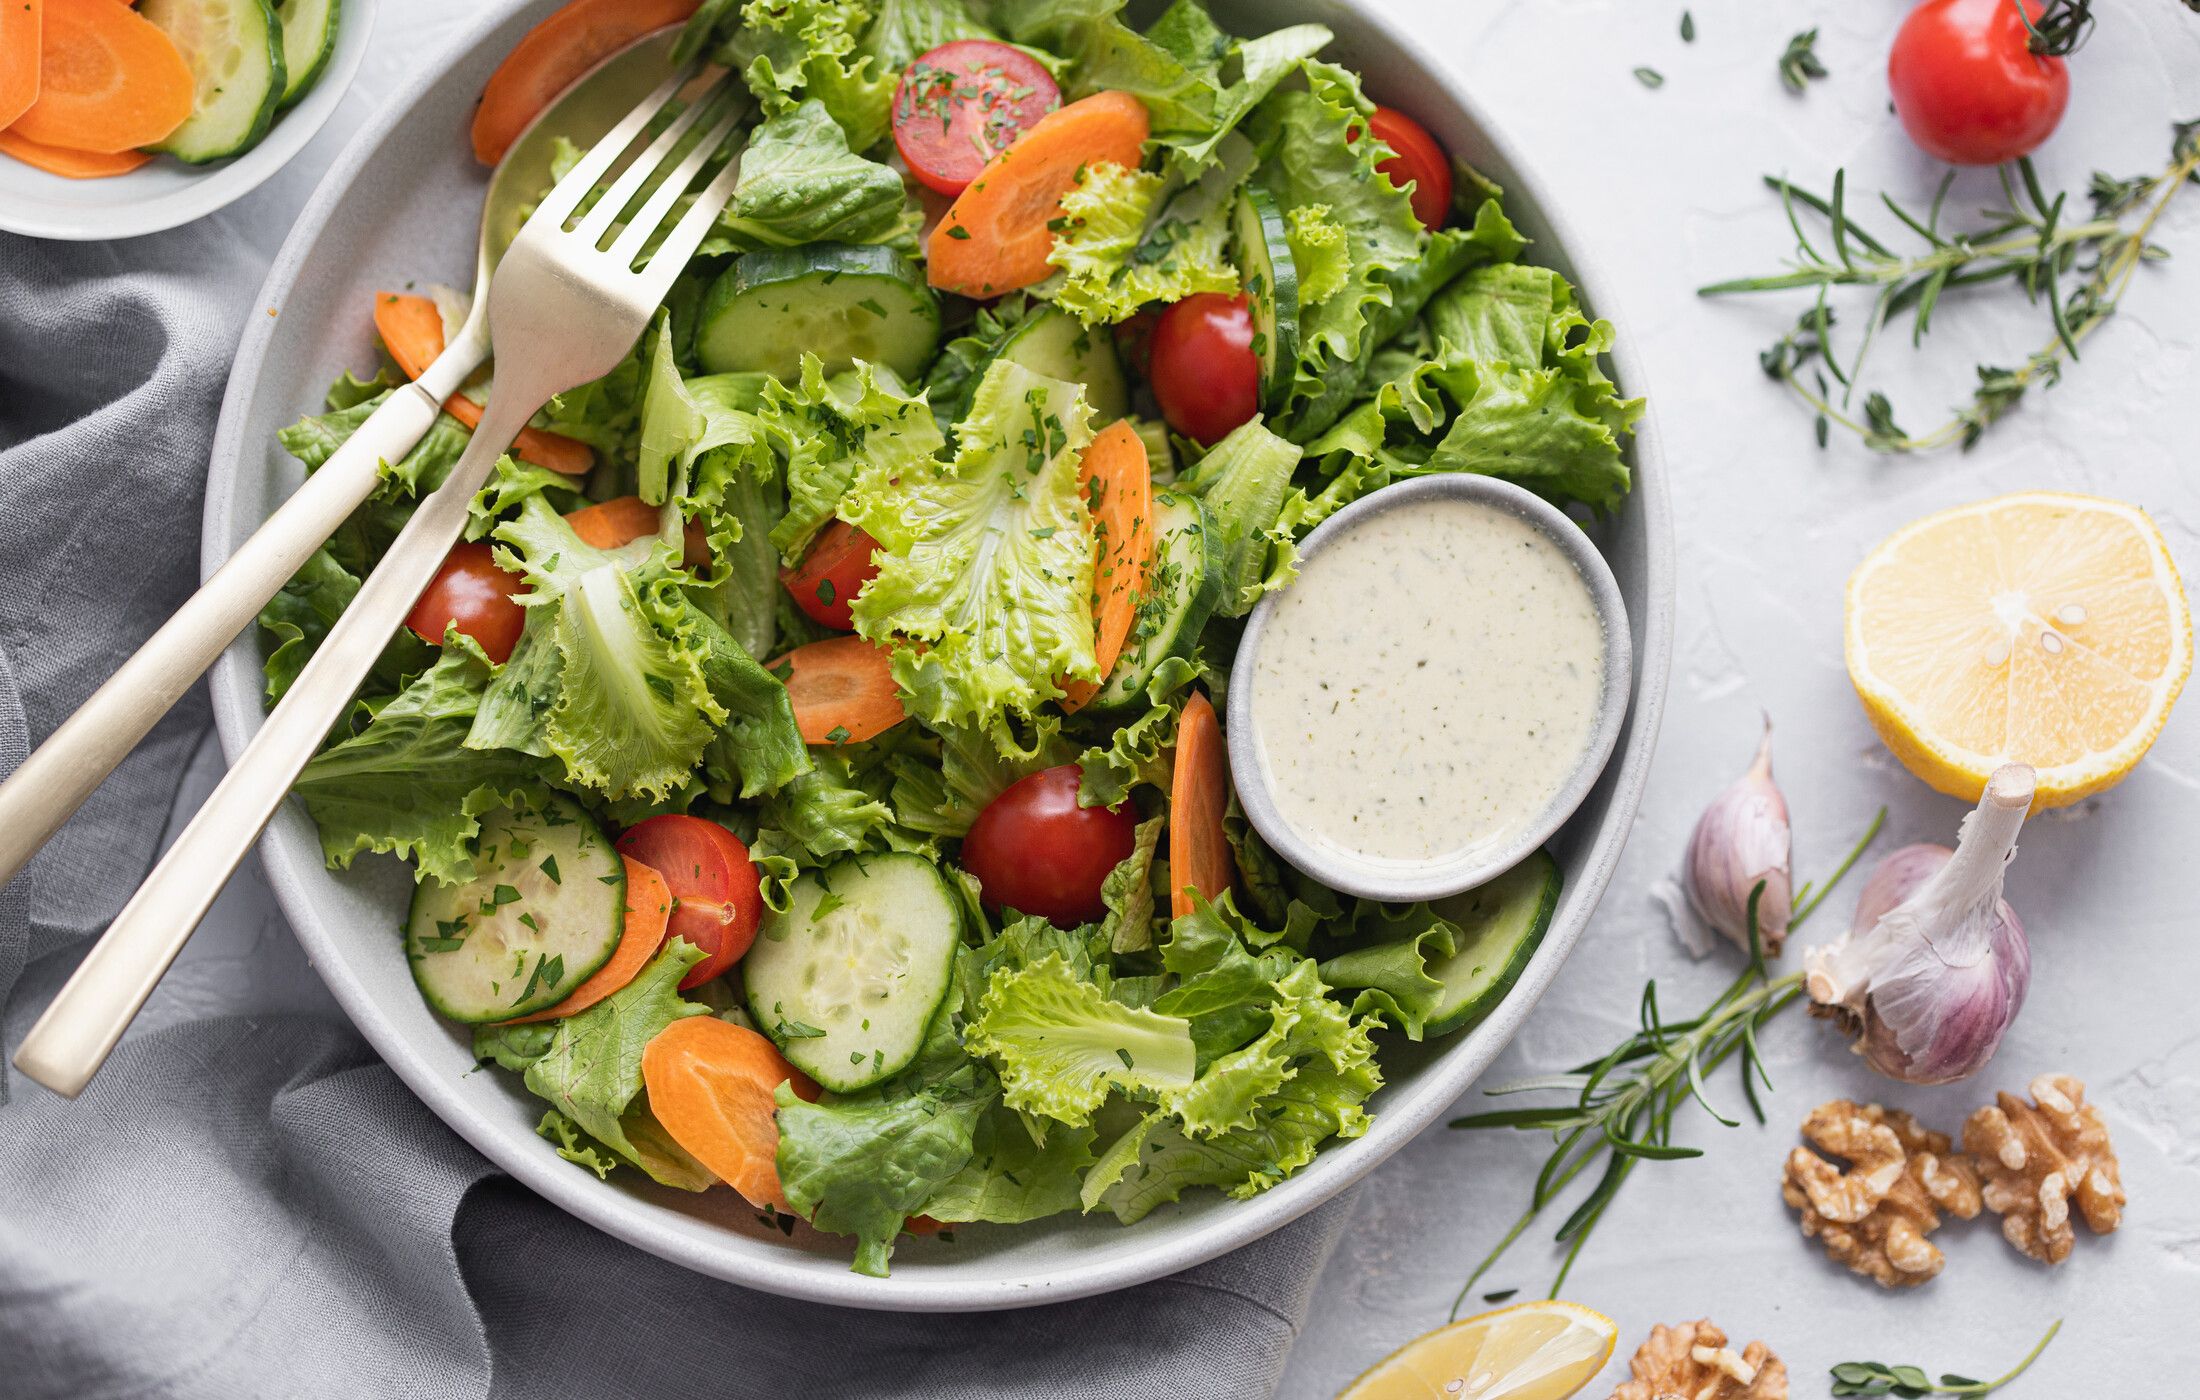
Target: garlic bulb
(1935, 965)
(1740, 839)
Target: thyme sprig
(2080, 267)
(1799, 63)
(1623, 1105)
(1877, 1378)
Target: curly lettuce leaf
(1261, 64)
(758, 749)
(592, 1071)
(1304, 1026)
(985, 564)
(825, 429)
(1061, 1045)
(406, 785)
(1129, 892)
(1388, 975)
(800, 183)
(1320, 254)
(791, 50)
(904, 30)
(619, 699)
(1136, 753)
(1119, 247)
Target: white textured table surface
(1664, 185)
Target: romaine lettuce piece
(1014, 1176)
(1244, 481)
(985, 564)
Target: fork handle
(75, 1034)
(77, 757)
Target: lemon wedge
(2041, 628)
(1532, 1351)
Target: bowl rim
(236, 693)
(1369, 879)
(212, 187)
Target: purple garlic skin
(1741, 838)
(1935, 965)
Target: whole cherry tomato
(824, 585)
(1420, 162)
(962, 104)
(1202, 365)
(1034, 850)
(717, 906)
(1967, 84)
(471, 593)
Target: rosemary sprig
(1623, 1105)
(1799, 63)
(2078, 267)
(1877, 1378)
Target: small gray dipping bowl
(1403, 881)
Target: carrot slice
(1199, 851)
(412, 330)
(625, 519)
(996, 236)
(648, 911)
(544, 63)
(843, 690)
(1119, 486)
(60, 160)
(19, 29)
(711, 1083)
(108, 79)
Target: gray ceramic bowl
(1406, 882)
(400, 206)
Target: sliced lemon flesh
(1533, 1351)
(2041, 628)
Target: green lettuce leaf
(1244, 481)
(1136, 753)
(1319, 253)
(1129, 892)
(406, 785)
(800, 183)
(985, 564)
(1060, 1044)
(592, 1071)
(1172, 70)
(758, 749)
(825, 429)
(1388, 974)
(1119, 249)
(839, 807)
(513, 1046)
(904, 30)
(1261, 64)
(1014, 1176)
(788, 50)
(941, 786)
(622, 702)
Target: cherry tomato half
(472, 594)
(1202, 365)
(962, 104)
(1967, 85)
(1420, 162)
(717, 905)
(1034, 850)
(824, 585)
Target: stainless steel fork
(565, 307)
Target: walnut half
(1875, 1215)
(1693, 1362)
(2036, 1157)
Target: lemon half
(2041, 628)
(1532, 1351)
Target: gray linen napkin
(246, 1206)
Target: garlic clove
(1935, 965)
(1742, 838)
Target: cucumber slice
(545, 912)
(842, 302)
(846, 980)
(1181, 594)
(235, 51)
(309, 37)
(1054, 343)
(1501, 923)
(1271, 291)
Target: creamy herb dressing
(1428, 684)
